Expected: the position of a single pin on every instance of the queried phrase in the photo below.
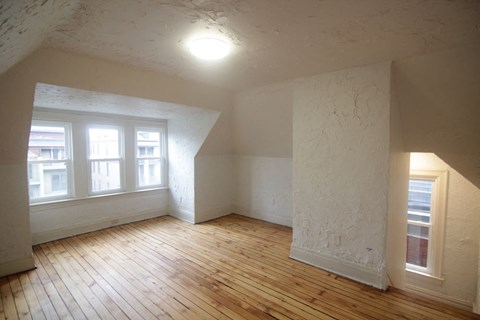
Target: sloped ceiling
(273, 40)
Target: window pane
(417, 245)
(105, 175)
(46, 143)
(149, 172)
(419, 200)
(418, 231)
(148, 144)
(47, 180)
(103, 143)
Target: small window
(49, 161)
(149, 157)
(426, 215)
(105, 159)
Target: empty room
(239, 159)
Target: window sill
(416, 276)
(74, 201)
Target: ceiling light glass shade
(209, 48)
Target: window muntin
(149, 157)
(105, 159)
(79, 182)
(49, 161)
(426, 211)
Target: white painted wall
(262, 136)
(214, 176)
(399, 167)
(64, 219)
(262, 121)
(439, 97)
(263, 188)
(476, 307)
(186, 135)
(214, 171)
(341, 170)
(57, 67)
(461, 251)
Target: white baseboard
(284, 221)
(181, 214)
(466, 305)
(64, 232)
(16, 266)
(340, 267)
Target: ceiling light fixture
(209, 48)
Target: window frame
(162, 130)
(68, 154)
(437, 222)
(78, 138)
(120, 159)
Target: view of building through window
(419, 221)
(104, 156)
(118, 155)
(148, 156)
(47, 165)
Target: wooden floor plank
(2, 311)
(222, 274)
(296, 282)
(43, 298)
(33, 304)
(95, 274)
(201, 288)
(70, 259)
(248, 272)
(377, 302)
(229, 268)
(9, 308)
(47, 283)
(171, 270)
(19, 297)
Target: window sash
(436, 224)
(80, 183)
(67, 154)
(120, 145)
(141, 157)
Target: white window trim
(68, 160)
(438, 212)
(79, 122)
(163, 156)
(121, 159)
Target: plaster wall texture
(439, 97)
(399, 162)
(186, 135)
(461, 247)
(214, 186)
(262, 141)
(265, 38)
(263, 188)
(340, 171)
(57, 67)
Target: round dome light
(209, 48)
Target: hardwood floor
(230, 268)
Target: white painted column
(341, 128)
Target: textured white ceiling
(273, 40)
(70, 99)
